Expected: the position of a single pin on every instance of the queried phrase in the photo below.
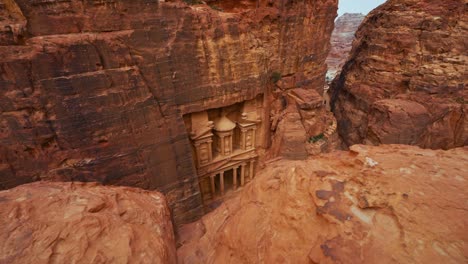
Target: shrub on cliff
(316, 138)
(275, 76)
(193, 2)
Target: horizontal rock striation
(384, 204)
(341, 41)
(96, 90)
(48, 222)
(404, 81)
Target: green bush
(316, 138)
(193, 2)
(275, 76)
(460, 100)
(217, 8)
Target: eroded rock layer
(342, 40)
(385, 204)
(405, 79)
(48, 222)
(96, 90)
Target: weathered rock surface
(341, 41)
(97, 90)
(301, 125)
(12, 23)
(405, 79)
(385, 204)
(84, 223)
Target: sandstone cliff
(341, 41)
(385, 204)
(96, 90)
(84, 223)
(404, 81)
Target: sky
(357, 6)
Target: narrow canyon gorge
(221, 131)
(341, 41)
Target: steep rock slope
(405, 79)
(342, 40)
(96, 90)
(84, 223)
(385, 204)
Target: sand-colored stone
(384, 204)
(48, 222)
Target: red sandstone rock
(341, 41)
(385, 204)
(297, 116)
(84, 223)
(12, 23)
(405, 79)
(96, 90)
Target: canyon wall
(96, 90)
(342, 40)
(404, 81)
(384, 204)
(47, 222)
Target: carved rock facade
(224, 143)
(98, 90)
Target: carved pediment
(201, 134)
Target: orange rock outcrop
(385, 204)
(84, 223)
(404, 81)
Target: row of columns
(234, 177)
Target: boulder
(47, 222)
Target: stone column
(234, 177)
(251, 169)
(254, 135)
(197, 150)
(213, 190)
(242, 174)
(221, 182)
(222, 145)
(243, 139)
(227, 145)
(210, 150)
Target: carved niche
(202, 137)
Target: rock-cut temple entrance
(224, 146)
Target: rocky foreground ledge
(47, 222)
(386, 204)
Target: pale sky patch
(357, 6)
